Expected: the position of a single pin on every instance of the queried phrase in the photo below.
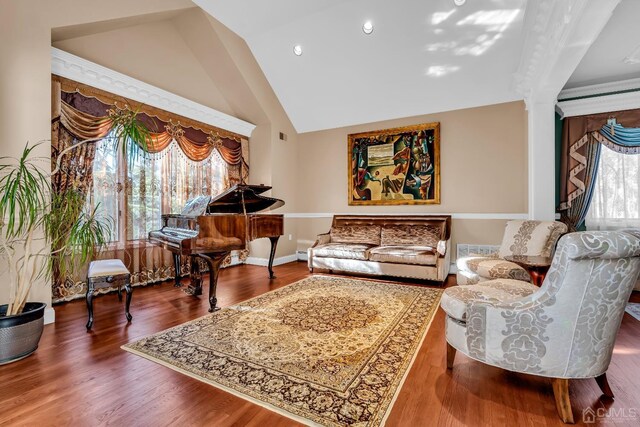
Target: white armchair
(565, 329)
(533, 238)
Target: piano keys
(231, 220)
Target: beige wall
(483, 155)
(25, 75)
(154, 53)
(164, 53)
(483, 150)
(195, 56)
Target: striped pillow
(423, 235)
(364, 234)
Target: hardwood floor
(85, 379)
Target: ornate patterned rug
(323, 351)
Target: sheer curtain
(163, 183)
(616, 197)
(134, 197)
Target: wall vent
(302, 255)
(283, 136)
(465, 249)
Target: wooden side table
(537, 266)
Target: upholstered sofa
(416, 246)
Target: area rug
(633, 308)
(323, 351)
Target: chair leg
(129, 290)
(451, 355)
(89, 299)
(604, 385)
(563, 404)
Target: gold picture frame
(397, 166)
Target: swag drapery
(582, 139)
(81, 112)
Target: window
(135, 195)
(616, 197)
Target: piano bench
(107, 273)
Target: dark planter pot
(20, 334)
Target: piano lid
(231, 200)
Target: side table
(537, 266)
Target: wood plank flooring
(85, 379)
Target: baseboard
(235, 260)
(278, 261)
(49, 315)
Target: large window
(135, 195)
(616, 197)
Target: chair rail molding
(479, 216)
(558, 34)
(73, 67)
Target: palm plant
(42, 231)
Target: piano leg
(178, 269)
(274, 244)
(214, 260)
(195, 287)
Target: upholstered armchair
(531, 238)
(565, 329)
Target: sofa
(412, 246)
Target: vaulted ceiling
(615, 54)
(422, 56)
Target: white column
(541, 139)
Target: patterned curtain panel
(581, 144)
(621, 139)
(186, 159)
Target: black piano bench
(107, 273)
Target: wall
(483, 171)
(170, 63)
(195, 56)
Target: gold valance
(85, 112)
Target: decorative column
(541, 153)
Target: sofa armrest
(323, 239)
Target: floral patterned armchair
(533, 238)
(565, 329)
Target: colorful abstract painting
(399, 166)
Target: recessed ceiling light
(367, 27)
(297, 49)
(459, 2)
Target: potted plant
(42, 231)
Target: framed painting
(399, 166)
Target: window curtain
(80, 112)
(616, 194)
(582, 139)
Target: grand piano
(231, 220)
